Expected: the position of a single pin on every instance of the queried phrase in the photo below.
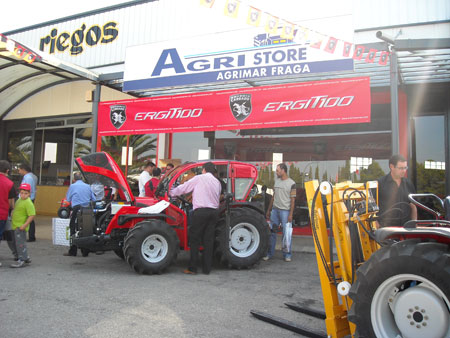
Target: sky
(23, 13)
(14, 16)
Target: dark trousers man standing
(73, 225)
(32, 230)
(202, 232)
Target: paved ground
(100, 296)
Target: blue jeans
(277, 217)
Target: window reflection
(19, 151)
(143, 149)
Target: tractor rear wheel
(403, 290)
(151, 246)
(246, 241)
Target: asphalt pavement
(101, 296)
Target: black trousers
(32, 230)
(201, 232)
(73, 225)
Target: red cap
(25, 186)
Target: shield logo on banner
(118, 115)
(241, 106)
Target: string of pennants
(257, 17)
(17, 50)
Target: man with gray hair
(79, 195)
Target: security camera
(385, 37)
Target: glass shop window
(19, 151)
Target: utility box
(61, 231)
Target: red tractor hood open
(101, 168)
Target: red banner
(338, 101)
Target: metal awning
(24, 72)
(419, 61)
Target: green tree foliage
(430, 180)
(372, 173)
(325, 176)
(316, 173)
(295, 174)
(344, 172)
(266, 177)
(19, 150)
(144, 149)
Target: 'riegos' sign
(74, 42)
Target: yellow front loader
(341, 216)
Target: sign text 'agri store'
(338, 101)
(224, 57)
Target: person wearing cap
(31, 179)
(7, 195)
(23, 214)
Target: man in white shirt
(145, 176)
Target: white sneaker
(287, 259)
(265, 258)
(18, 264)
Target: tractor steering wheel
(185, 201)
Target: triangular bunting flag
(347, 49)
(370, 58)
(302, 34)
(331, 45)
(384, 57)
(271, 24)
(358, 53)
(288, 30)
(316, 40)
(232, 8)
(254, 16)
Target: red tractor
(149, 232)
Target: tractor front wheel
(403, 290)
(151, 246)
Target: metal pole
(95, 117)
(394, 102)
(447, 148)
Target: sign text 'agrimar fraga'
(338, 101)
(224, 57)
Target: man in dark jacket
(393, 191)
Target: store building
(117, 53)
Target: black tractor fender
(439, 234)
(233, 205)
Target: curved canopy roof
(24, 72)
